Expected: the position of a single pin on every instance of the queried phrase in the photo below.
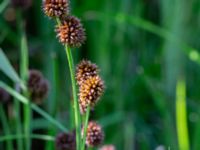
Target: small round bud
(56, 8)
(66, 141)
(84, 70)
(37, 86)
(71, 32)
(95, 135)
(89, 92)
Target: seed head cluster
(37, 86)
(95, 135)
(71, 32)
(90, 92)
(56, 8)
(66, 141)
(84, 70)
(4, 97)
(23, 4)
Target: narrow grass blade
(7, 68)
(6, 128)
(181, 116)
(22, 136)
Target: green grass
(142, 48)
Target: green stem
(85, 128)
(18, 121)
(5, 127)
(24, 75)
(21, 136)
(76, 108)
(181, 116)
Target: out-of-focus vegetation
(148, 52)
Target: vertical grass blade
(6, 129)
(181, 116)
(7, 68)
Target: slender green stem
(76, 108)
(5, 127)
(18, 121)
(181, 116)
(24, 76)
(85, 128)
(25, 101)
(21, 136)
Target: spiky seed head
(4, 97)
(84, 70)
(56, 8)
(37, 86)
(89, 92)
(95, 135)
(23, 4)
(71, 32)
(66, 141)
(107, 147)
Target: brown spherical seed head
(56, 8)
(23, 4)
(66, 141)
(4, 97)
(89, 92)
(37, 86)
(84, 70)
(95, 135)
(71, 32)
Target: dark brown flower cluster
(70, 30)
(38, 86)
(94, 135)
(23, 4)
(91, 86)
(4, 97)
(66, 141)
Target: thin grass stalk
(85, 128)
(24, 100)
(24, 63)
(76, 108)
(54, 106)
(24, 76)
(22, 136)
(181, 116)
(5, 126)
(18, 121)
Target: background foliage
(143, 48)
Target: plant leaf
(7, 68)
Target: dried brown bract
(71, 32)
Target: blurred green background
(143, 47)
